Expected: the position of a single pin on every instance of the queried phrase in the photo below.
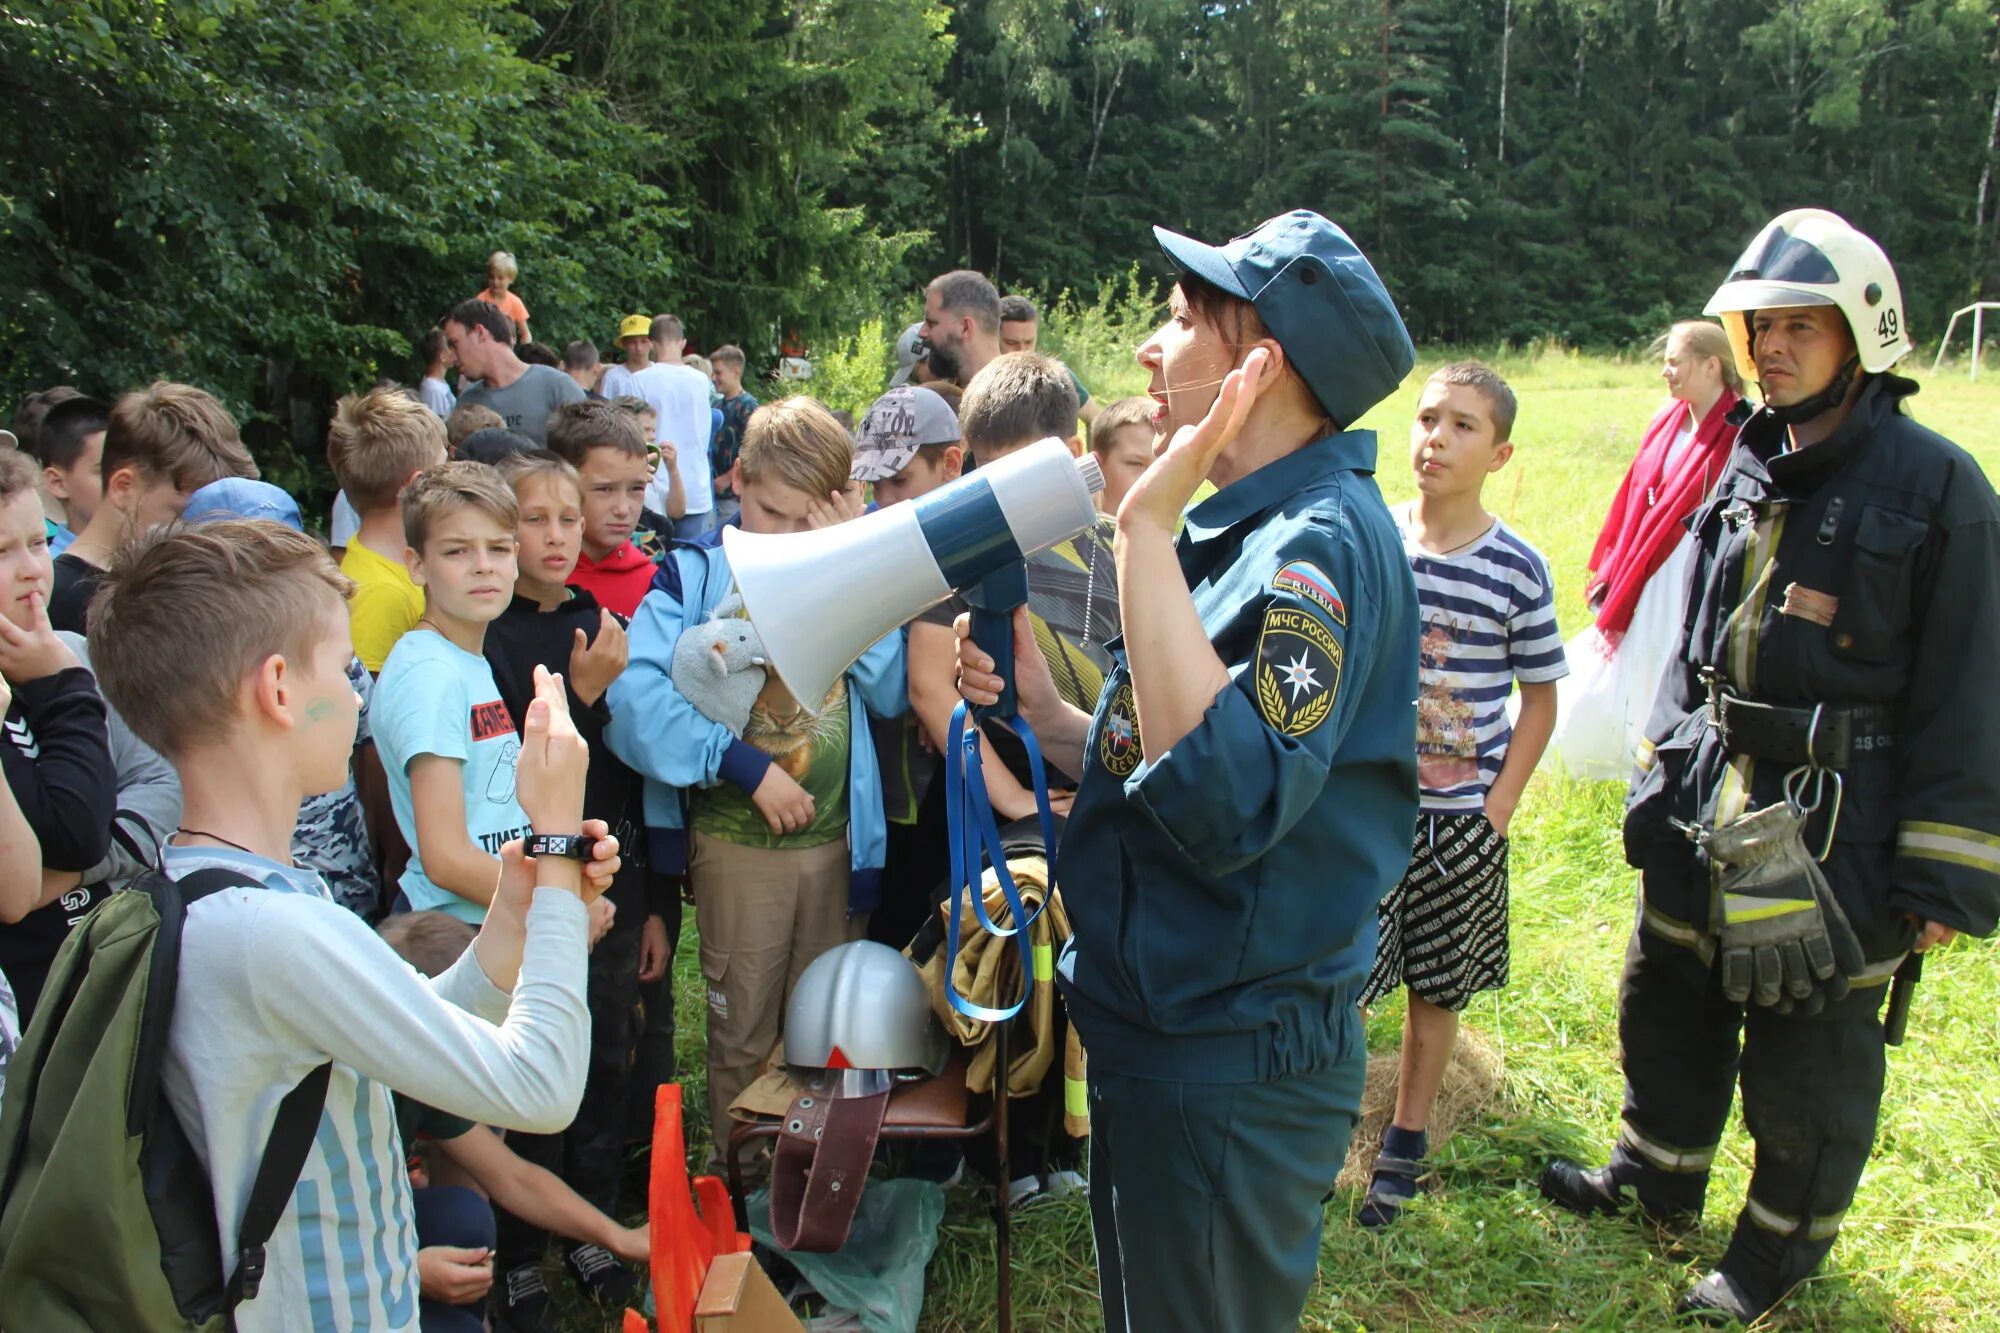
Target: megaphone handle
(993, 600)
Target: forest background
(271, 198)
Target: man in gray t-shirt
(483, 341)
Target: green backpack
(106, 1215)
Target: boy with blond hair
(277, 981)
(161, 445)
(1487, 606)
(467, 421)
(378, 443)
(783, 838)
(447, 740)
(501, 274)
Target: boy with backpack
(283, 1001)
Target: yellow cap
(635, 326)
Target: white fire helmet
(1812, 257)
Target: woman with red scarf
(1639, 568)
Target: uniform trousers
(1207, 1199)
(1812, 1086)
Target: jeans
(589, 1155)
(454, 1216)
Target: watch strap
(574, 846)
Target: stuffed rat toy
(719, 666)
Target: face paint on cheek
(321, 710)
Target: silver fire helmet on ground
(862, 1006)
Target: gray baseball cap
(908, 352)
(898, 424)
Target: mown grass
(1483, 1252)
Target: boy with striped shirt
(278, 979)
(1489, 622)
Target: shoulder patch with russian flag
(1304, 579)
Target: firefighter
(1817, 798)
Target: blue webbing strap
(974, 837)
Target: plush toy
(719, 666)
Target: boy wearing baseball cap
(635, 335)
(907, 445)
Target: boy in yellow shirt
(378, 442)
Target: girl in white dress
(1640, 566)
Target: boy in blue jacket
(781, 829)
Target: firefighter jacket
(1861, 573)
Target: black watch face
(571, 846)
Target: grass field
(1483, 1252)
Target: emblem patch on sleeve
(1302, 578)
(1298, 670)
(1118, 743)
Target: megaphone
(819, 599)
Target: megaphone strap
(974, 836)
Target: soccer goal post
(1978, 311)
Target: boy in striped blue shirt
(1489, 622)
(256, 714)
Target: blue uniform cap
(1320, 298)
(240, 497)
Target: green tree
(769, 120)
(269, 199)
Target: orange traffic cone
(685, 1242)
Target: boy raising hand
(276, 978)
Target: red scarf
(1647, 519)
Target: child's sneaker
(521, 1302)
(1058, 1183)
(601, 1275)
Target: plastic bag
(879, 1273)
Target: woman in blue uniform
(1248, 783)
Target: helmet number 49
(1885, 327)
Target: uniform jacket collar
(1348, 451)
(1804, 469)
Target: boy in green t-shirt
(783, 836)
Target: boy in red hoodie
(602, 442)
(606, 445)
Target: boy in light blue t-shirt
(447, 740)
